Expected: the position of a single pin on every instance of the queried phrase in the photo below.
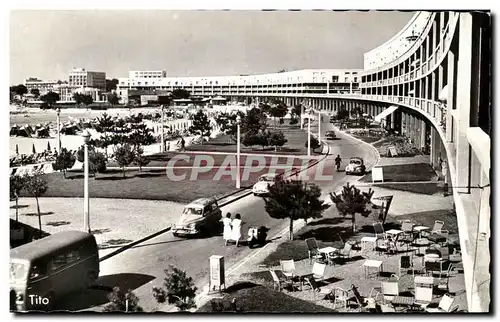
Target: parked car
(262, 186)
(356, 166)
(330, 135)
(200, 217)
(333, 119)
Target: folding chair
(313, 250)
(288, 268)
(343, 253)
(423, 295)
(445, 305)
(379, 230)
(277, 282)
(318, 271)
(340, 296)
(390, 289)
(406, 262)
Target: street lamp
(309, 132)
(58, 111)
(162, 145)
(319, 125)
(238, 175)
(86, 213)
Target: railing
(425, 67)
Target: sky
(47, 44)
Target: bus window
(58, 262)
(72, 256)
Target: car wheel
(91, 278)
(176, 234)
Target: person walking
(338, 161)
(183, 144)
(236, 230)
(227, 234)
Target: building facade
(84, 78)
(311, 81)
(147, 74)
(42, 86)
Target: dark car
(200, 217)
(330, 135)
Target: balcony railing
(425, 67)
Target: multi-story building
(42, 86)
(310, 81)
(84, 78)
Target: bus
(43, 271)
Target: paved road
(140, 268)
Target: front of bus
(18, 283)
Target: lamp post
(238, 143)
(301, 116)
(58, 111)
(162, 146)
(319, 125)
(309, 132)
(86, 213)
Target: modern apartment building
(84, 78)
(309, 81)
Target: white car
(262, 186)
(356, 165)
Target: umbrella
(17, 149)
(33, 150)
(48, 146)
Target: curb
(377, 154)
(245, 194)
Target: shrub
(179, 289)
(118, 301)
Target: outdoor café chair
(362, 302)
(406, 262)
(444, 279)
(379, 230)
(390, 289)
(317, 287)
(423, 295)
(445, 305)
(340, 296)
(288, 268)
(280, 283)
(313, 250)
(342, 253)
(439, 236)
(387, 308)
(317, 272)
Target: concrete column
(433, 151)
(433, 86)
(422, 133)
(464, 84)
(434, 35)
(451, 95)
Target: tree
(255, 120)
(104, 125)
(201, 125)
(124, 155)
(50, 98)
(140, 160)
(294, 200)
(297, 110)
(111, 84)
(278, 110)
(178, 289)
(20, 89)
(294, 120)
(314, 143)
(83, 99)
(352, 201)
(36, 186)
(35, 92)
(342, 114)
(113, 99)
(64, 160)
(97, 160)
(16, 185)
(179, 93)
(277, 139)
(122, 302)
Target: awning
(443, 95)
(385, 113)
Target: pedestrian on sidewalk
(236, 229)
(183, 144)
(227, 234)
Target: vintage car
(262, 186)
(330, 135)
(356, 166)
(200, 217)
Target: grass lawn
(148, 184)
(296, 137)
(257, 298)
(405, 173)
